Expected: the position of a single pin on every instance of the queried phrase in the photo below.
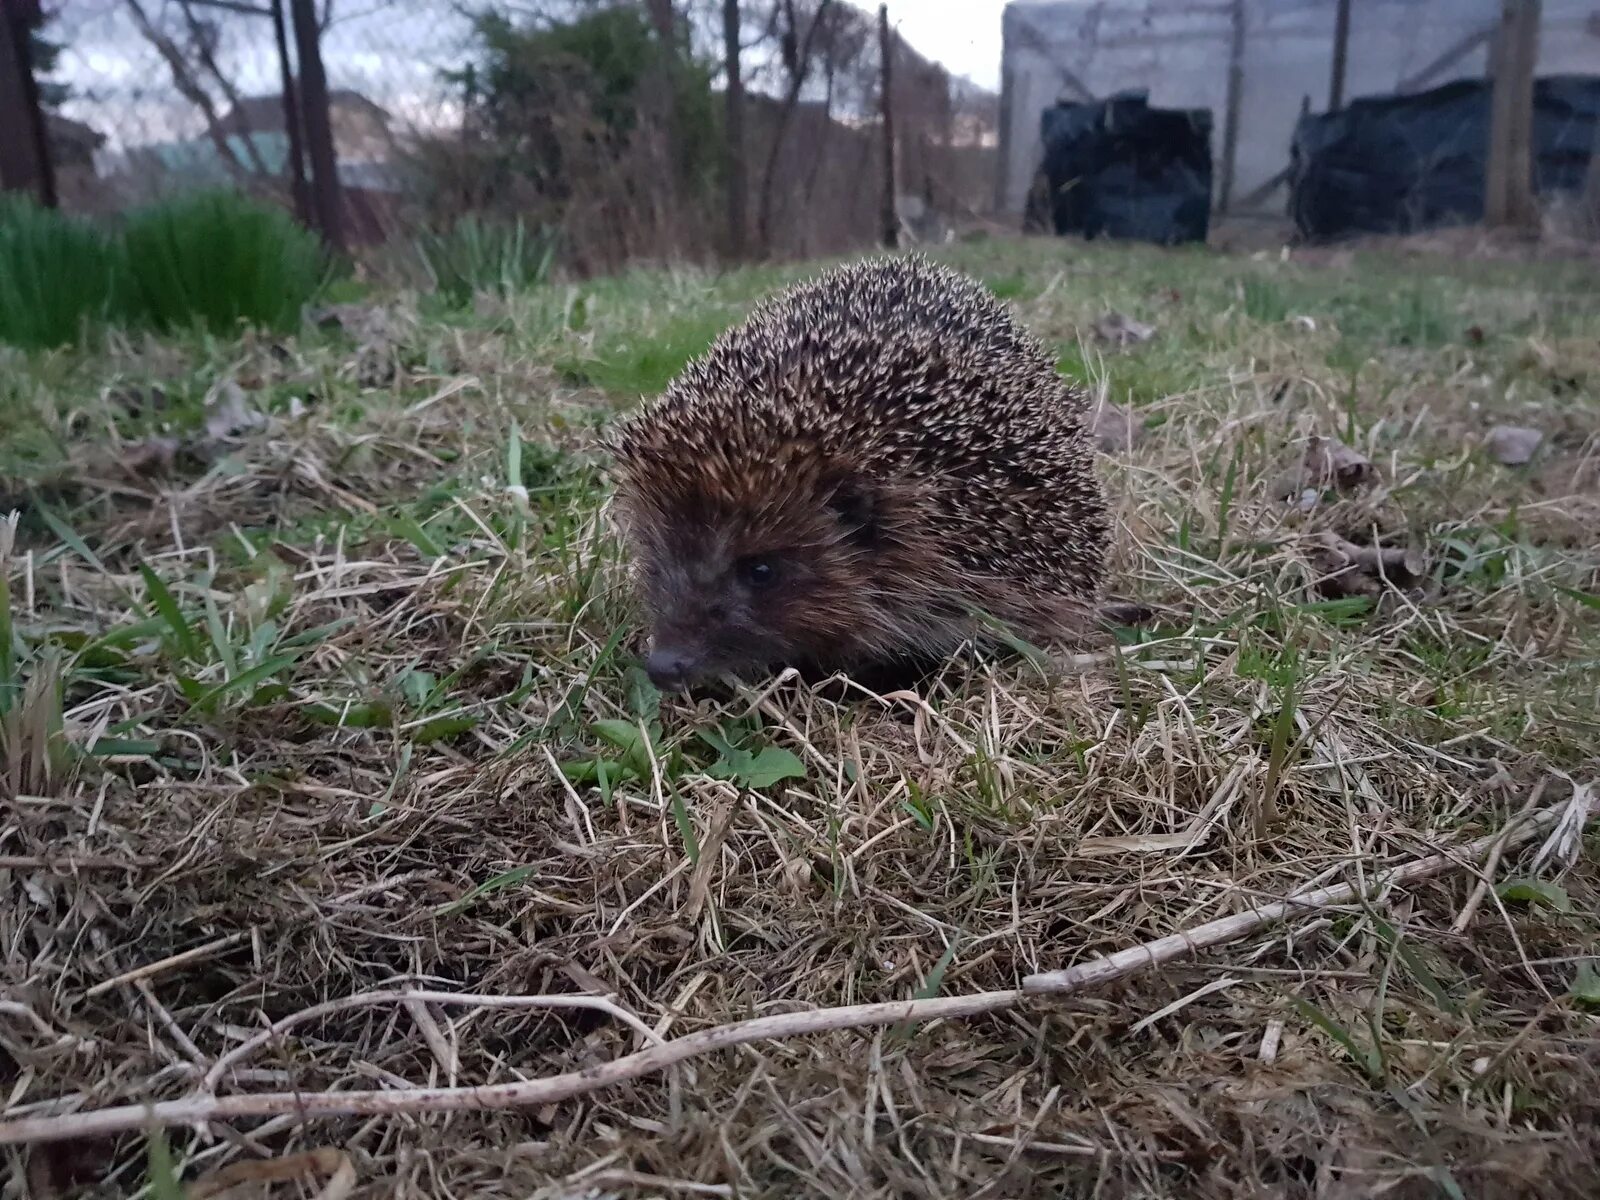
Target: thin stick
(404, 996)
(165, 964)
(1471, 906)
(1231, 929)
(522, 1094)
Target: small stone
(1512, 445)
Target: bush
(57, 275)
(219, 259)
(477, 256)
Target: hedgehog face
(747, 588)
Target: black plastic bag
(1401, 164)
(1121, 169)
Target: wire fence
(437, 108)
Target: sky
(963, 36)
(391, 50)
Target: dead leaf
(375, 365)
(1126, 612)
(1115, 427)
(1119, 329)
(1345, 569)
(1512, 445)
(152, 456)
(135, 401)
(376, 333)
(305, 1166)
(358, 320)
(1327, 462)
(229, 411)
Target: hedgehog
(877, 466)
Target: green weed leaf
(503, 880)
(1535, 891)
(1585, 988)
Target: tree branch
(184, 80)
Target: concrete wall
(1180, 50)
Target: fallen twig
(1232, 928)
(409, 997)
(200, 1109)
(166, 964)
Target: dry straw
(200, 1109)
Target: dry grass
(345, 701)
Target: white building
(1279, 52)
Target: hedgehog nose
(668, 668)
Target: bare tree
(797, 65)
(186, 78)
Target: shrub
(57, 275)
(478, 256)
(218, 258)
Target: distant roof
(263, 114)
(198, 159)
(64, 131)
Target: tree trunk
(326, 201)
(291, 119)
(733, 97)
(798, 62)
(24, 149)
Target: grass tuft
(59, 275)
(220, 260)
(476, 256)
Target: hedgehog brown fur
(851, 474)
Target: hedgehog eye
(758, 572)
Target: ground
(342, 657)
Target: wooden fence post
(1341, 56)
(24, 148)
(1230, 118)
(891, 210)
(1508, 185)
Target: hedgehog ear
(855, 503)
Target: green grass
(362, 688)
(476, 256)
(217, 260)
(58, 276)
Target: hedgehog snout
(670, 667)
